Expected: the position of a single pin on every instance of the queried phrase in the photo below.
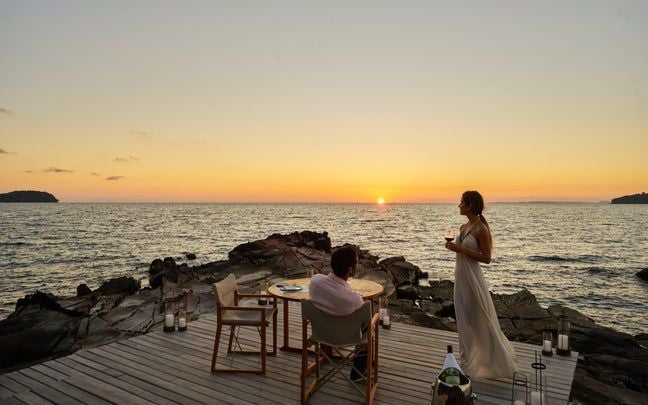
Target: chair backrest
(336, 330)
(224, 291)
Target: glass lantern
(383, 312)
(182, 314)
(519, 389)
(169, 316)
(264, 291)
(562, 343)
(547, 339)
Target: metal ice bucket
(452, 386)
(451, 394)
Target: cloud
(3, 151)
(5, 111)
(29, 171)
(139, 133)
(57, 170)
(126, 160)
(112, 178)
(94, 174)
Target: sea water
(579, 254)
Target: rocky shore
(612, 366)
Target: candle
(519, 402)
(536, 399)
(563, 342)
(546, 346)
(386, 321)
(168, 321)
(182, 322)
(382, 313)
(263, 300)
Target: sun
(380, 201)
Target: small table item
(297, 290)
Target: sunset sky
(324, 101)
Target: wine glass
(449, 235)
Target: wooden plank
(198, 372)
(79, 395)
(28, 397)
(427, 383)
(156, 386)
(12, 385)
(135, 387)
(294, 362)
(39, 388)
(11, 401)
(203, 364)
(156, 375)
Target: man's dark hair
(342, 259)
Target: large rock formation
(631, 199)
(27, 196)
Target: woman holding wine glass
(485, 351)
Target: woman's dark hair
(476, 202)
(342, 259)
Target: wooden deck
(169, 368)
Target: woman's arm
(483, 240)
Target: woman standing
(485, 351)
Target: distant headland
(28, 196)
(631, 199)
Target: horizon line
(340, 202)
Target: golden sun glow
(380, 201)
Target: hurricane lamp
(383, 312)
(547, 339)
(519, 389)
(169, 316)
(182, 314)
(564, 328)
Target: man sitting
(332, 294)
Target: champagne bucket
(452, 386)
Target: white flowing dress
(485, 351)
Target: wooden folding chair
(346, 338)
(229, 311)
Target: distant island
(631, 199)
(28, 196)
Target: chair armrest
(375, 321)
(256, 296)
(243, 308)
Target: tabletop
(366, 288)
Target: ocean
(579, 254)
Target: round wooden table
(367, 290)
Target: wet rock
(119, 285)
(82, 290)
(403, 271)
(440, 291)
(521, 304)
(381, 277)
(575, 317)
(190, 256)
(447, 310)
(642, 339)
(407, 292)
(40, 300)
(643, 274)
(431, 307)
(36, 335)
